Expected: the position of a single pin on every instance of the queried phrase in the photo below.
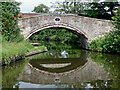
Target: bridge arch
(65, 26)
(79, 33)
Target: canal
(64, 66)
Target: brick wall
(28, 14)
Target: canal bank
(14, 51)
(17, 58)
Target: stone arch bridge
(85, 27)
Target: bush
(108, 43)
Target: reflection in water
(77, 69)
(111, 64)
(89, 72)
(67, 62)
(52, 66)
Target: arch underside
(68, 27)
(79, 33)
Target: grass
(13, 49)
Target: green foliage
(116, 19)
(20, 16)
(10, 50)
(59, 46)
(41, 9)
(71, 7)
(102, 10)
(59, 35)
(108, 43)
(10, 11)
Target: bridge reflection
(85, 71)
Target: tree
(70, 7)
(41, 9)
(97, 9)
(102, 10)
(10, 11)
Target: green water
(64, 66)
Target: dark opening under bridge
(86, 28)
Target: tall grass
(13, 49)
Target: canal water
(64, 66)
